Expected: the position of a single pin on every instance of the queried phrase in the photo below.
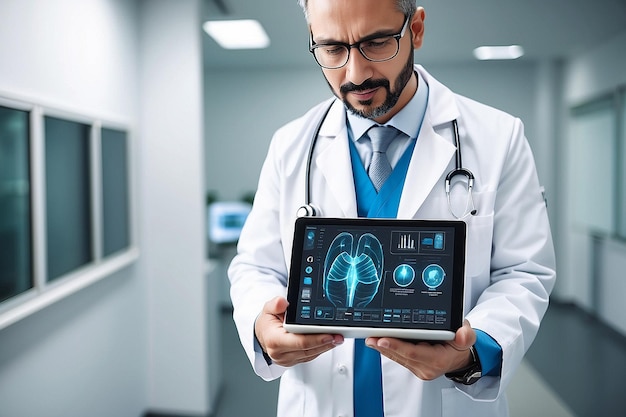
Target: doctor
(510, 267)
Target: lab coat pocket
(478, 248)
(478, 245)
(480, 234)
(456, 403)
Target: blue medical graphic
(309, 241)
(433, 276)
(438, 241)
(403, 275)
(352, 275)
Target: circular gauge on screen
(433, 276)
(403, 275)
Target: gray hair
(407, 7)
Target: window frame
(45, 292)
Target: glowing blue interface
(384, 277)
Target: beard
(391, 98)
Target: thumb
(465, 336)
(276, 306)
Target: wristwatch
(470, 374)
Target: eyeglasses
(376, 48)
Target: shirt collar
(405, 120)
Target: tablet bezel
(372, 329)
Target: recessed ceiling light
(498, 52)
(237, 34)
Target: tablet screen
(376, 274)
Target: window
(598, 165)
(68, 196)
(594, 186)
(621, 156)
(65, 205)
(115, 198)
(16, 272)
(593, 166)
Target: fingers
(292, 349)
(425, 360)
(288, 349)
(428, 360)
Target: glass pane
(115, 212)
(68, 196)
(621, 186)
(592, 167)
(15, 212)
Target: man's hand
(428, 361)
(288, 349)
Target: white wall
(598, 71)
(243, 109)
(508, 86)
(139, 339)
(85, 354)
(173, 209)
(77, 54)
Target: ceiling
(545, 28)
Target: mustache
(367, 85)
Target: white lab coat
(510, 267)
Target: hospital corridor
(383, 167)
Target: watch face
(467, 376)
(472, 376)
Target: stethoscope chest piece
(308, 210)
(460, 171)
(470, 209)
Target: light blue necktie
(380, 168)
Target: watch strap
(470, 374)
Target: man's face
(375, 90)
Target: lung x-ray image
(353, 271)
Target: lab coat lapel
(433, 152)
(431, 157)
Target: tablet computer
(377, 277)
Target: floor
(575, 368)
(582, 360)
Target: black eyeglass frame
(398, 36)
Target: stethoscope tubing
(309, 160)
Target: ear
(417, 27)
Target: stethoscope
(309, 209)
(470, 209)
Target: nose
(358, 69)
